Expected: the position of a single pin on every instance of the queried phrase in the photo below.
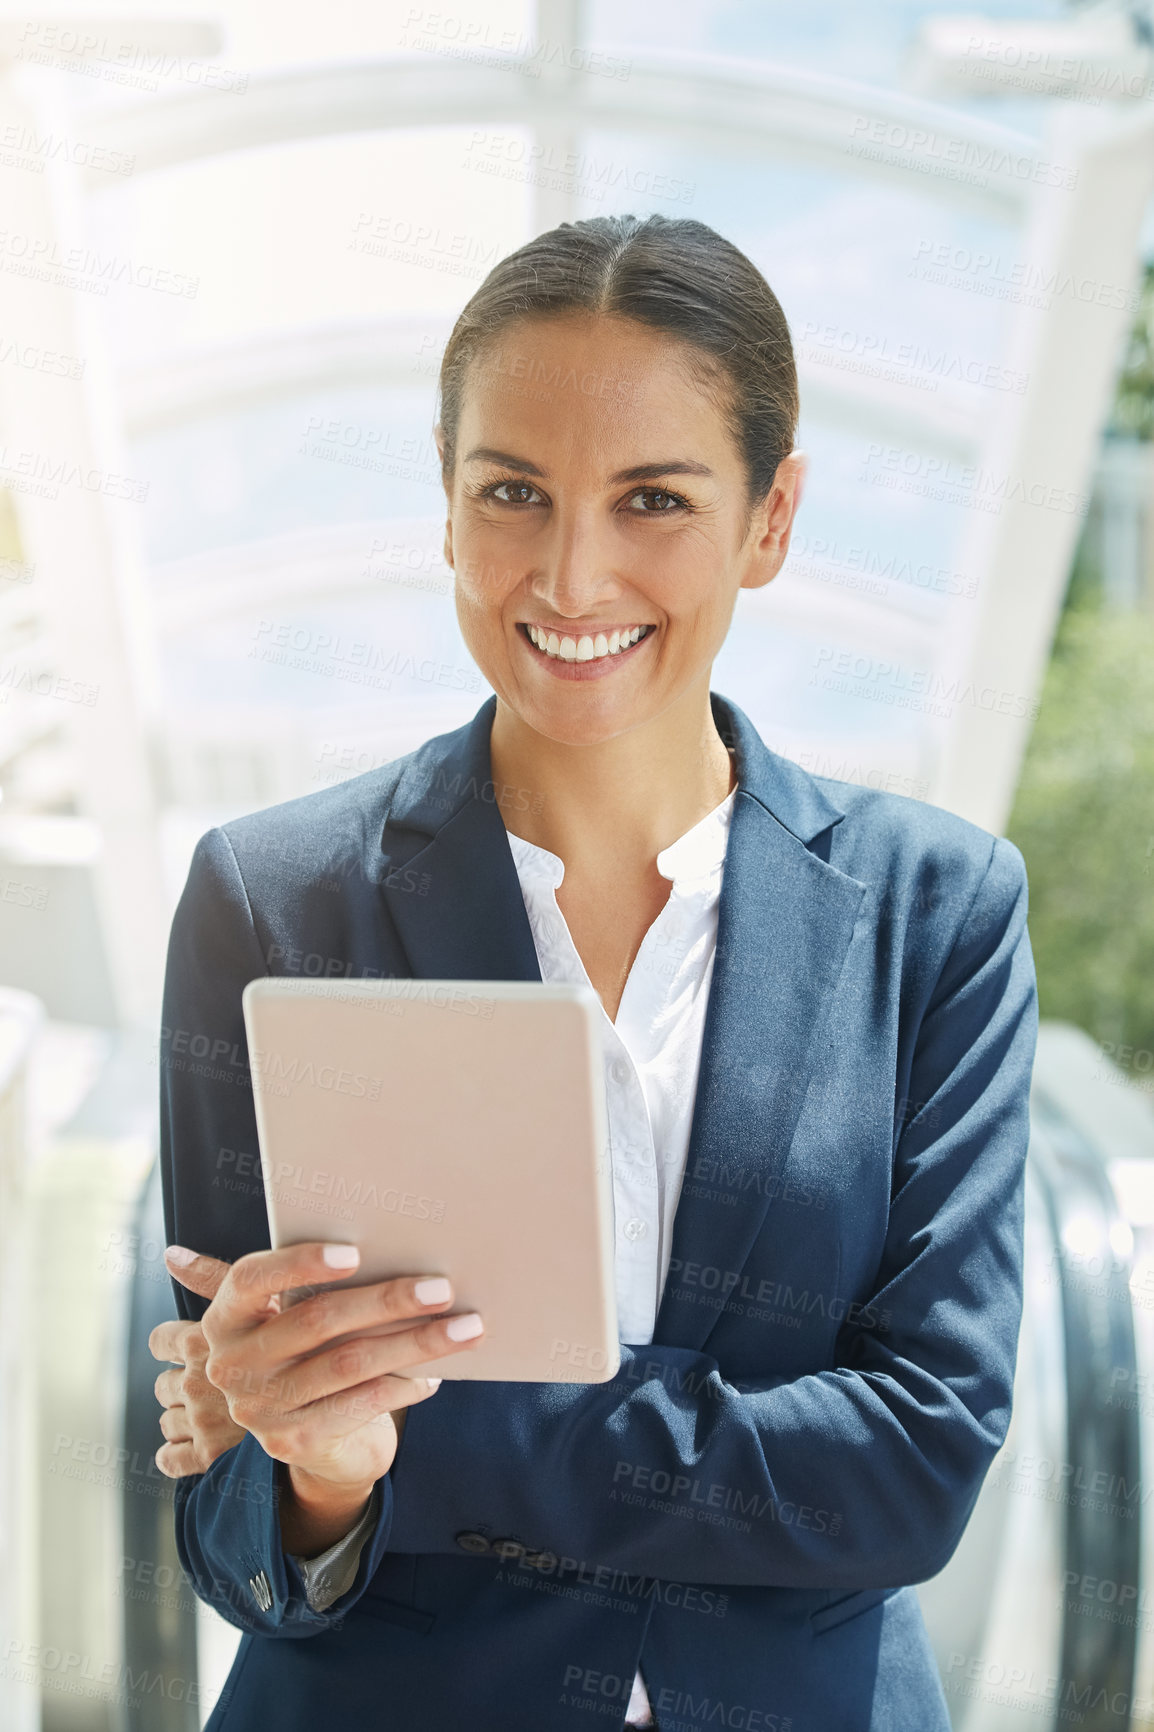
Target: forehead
(601, 386)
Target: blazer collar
(448, 771)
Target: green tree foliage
(1133, 413)
(1084, 812)
(1084, 820)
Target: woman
(819, 1027)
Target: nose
(577, 573)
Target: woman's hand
(327, 1412)
(196, 1420)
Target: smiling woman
(818, 1031)
(613, 481)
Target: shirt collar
(696, 858)
(693, 862)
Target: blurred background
(232, 245)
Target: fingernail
(435, 1291)
(180, 1255)
(433, 1382)
(342, 1256)
(464, 1328)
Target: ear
(774, 524)
(439, 436)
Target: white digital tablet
(448, 1127)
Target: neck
(614, 805)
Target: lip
(592, 670)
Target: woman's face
(598, 489)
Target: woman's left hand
(196, 1420)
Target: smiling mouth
(586, 648)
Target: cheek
(486, 570)
(689, 587)
(478, 599)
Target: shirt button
(635, 1229)
(619, 1070)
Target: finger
(347, 1410)
(194, 1347)
(171, 1340)
(200, 1274)
(314, 1322)
(245, 1295)
(341, 1369)
(422, 1388)
(197, 1390)
(176, 1425)
(175, 1460)
(169, 1388)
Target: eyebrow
(638, 472)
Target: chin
(564, 723)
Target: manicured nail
(180, 1255)
(433, 1382)
(464, 1328)
(435, 1291)
(342, 1256)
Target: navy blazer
(742, 1510)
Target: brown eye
(674, 499)
(518, 486)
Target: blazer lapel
(785, 921)
(450, 880)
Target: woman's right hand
(326, 1412)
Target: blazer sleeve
(227, 1520)
(860, 1476)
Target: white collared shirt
(652, 1055)
(652, 1051)
(652, 1058)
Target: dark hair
(674, 274)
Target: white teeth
(584, 649)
